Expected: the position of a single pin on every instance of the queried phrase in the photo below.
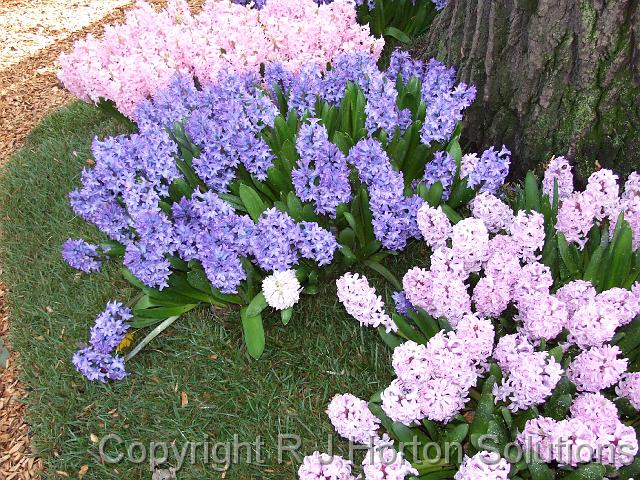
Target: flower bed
(514, 345)
(136, 59)
(262, 159)
(228, 187)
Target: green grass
(320, 353)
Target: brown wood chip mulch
(16, 459)
(29, 90)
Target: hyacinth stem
(475, 394)
(153, 334)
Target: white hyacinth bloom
(281, 289)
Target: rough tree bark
(554, 77)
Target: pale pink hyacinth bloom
(385, 463)
(631, 187)
(503, 263)
(450, 298)
(629, 388)
(625, 303)
(470, 242)
(495, 214)
(595, 410)
(575, 218)
(478, 336)
(450, 358)
(352, 419)
(362, 302)
(483, 466)
(434, 225)
(491, 297)
(441, 294)
(445, 261)
(575, 294)
(434, 380)
(401, 402)
(543, 317)
(537, 436)
(593, 324)
(617, 445)
(442, 399)
(529, 382)
(631, 209)
(597, 368)
(417, 284)
(321, 466)
(558, 169)
(533, 279)
(410, 362)
(510, 349)
(527, 232)
(630, 206)
(603, 191)
(573, 442)
(504, 243)
(468, 164)
(137, 58)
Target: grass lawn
(322, 352)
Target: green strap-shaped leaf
(253, 333)
(407, 330)
(131, 278)
(591, 471)
(178, 189)
(169, 297)
(434, 195)
(397, 34)
(377, 411)
(233, 200)
(391, 340)
(349, 256)
(286, 315)
(557, 406)
(153, 334)
(594, 265)
(540, 471)
(567, 255)
(531, 192)
(294, 207)
(455, 151)
(630, 471)
(631, 338)
(164, 312)
(252, 202)
(458, 433)
(453, 216)
(484, 412)
(426, 323)
(384, 271)
(257, 305)
(620, 260)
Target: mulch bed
(30, 89)
(16, 460)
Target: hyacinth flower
(138, 58)
(397, 20)
(488, 339)
(303, 143)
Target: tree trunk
(554, 77)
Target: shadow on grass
(320, 353)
